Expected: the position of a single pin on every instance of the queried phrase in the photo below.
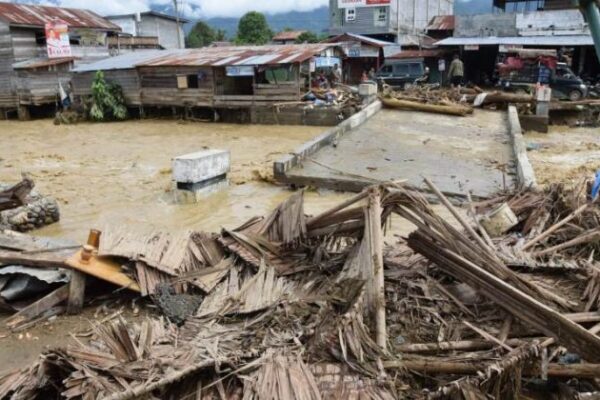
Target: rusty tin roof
(441, 23)
(37, 16)
(240, 55)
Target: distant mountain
(316, 20)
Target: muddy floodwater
(564, 154)
(120, 173)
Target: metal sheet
(572, 40)
(33, 15)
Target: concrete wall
(564, 22)
(127, 24)
(165, 29)
(485, 25)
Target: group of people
(322, 81)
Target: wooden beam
(76, 292)
(39, 307)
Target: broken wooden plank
(37, 308)
(42, 260)
(102, 268)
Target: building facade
(167, 28)
(385, 19)
(27, 76)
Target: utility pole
(177, 21)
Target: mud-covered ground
(564, 154)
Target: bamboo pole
(586, 371)
(584, 238)
(554, 227)
(462, 345)
(376, 254)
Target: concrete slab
(457, 154)
(201, 166)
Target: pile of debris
(450, 101)
(22, 209)
(291, 306)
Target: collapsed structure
(292, 306)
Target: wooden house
(232, 77)
(118, 69)
(249, 80)
(23, 46)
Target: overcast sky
(191, 8)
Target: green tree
(253, 29)
(202, 35)
(307, 37)
(108, 102)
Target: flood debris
(22, 209)
(451, 101)
(308, 307)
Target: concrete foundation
(200, 166)
(193, 193)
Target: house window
(192, 81)
(350, 14)
(381, 16)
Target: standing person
(372, 74)
(456, 71)
(336, 74)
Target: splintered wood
(290, 306)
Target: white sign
(441, 65)
(362, 3)
(57, 39)
(243, 70)
(471, 47)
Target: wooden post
(76, 292)
(376, 255)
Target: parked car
(401, 73)
(521, 73)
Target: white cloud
(193, 8)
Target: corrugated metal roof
(360, 38)
(288, 35)
(153, 13)
(241, 55)
(441, 23)
(419, 54)
(123, 61)
(41, 62)
(572, 40)
(33, 15)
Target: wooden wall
(36, 88)
(7, 96)
(126, 78)
(159, 87)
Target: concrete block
(367, 89)
(201, 166)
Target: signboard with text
(362, 3)
(57, 39)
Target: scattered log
(434, 367)
(42, 260)
(459, 111)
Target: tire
(575, 95)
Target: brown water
(120, 172)
(565, 154)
